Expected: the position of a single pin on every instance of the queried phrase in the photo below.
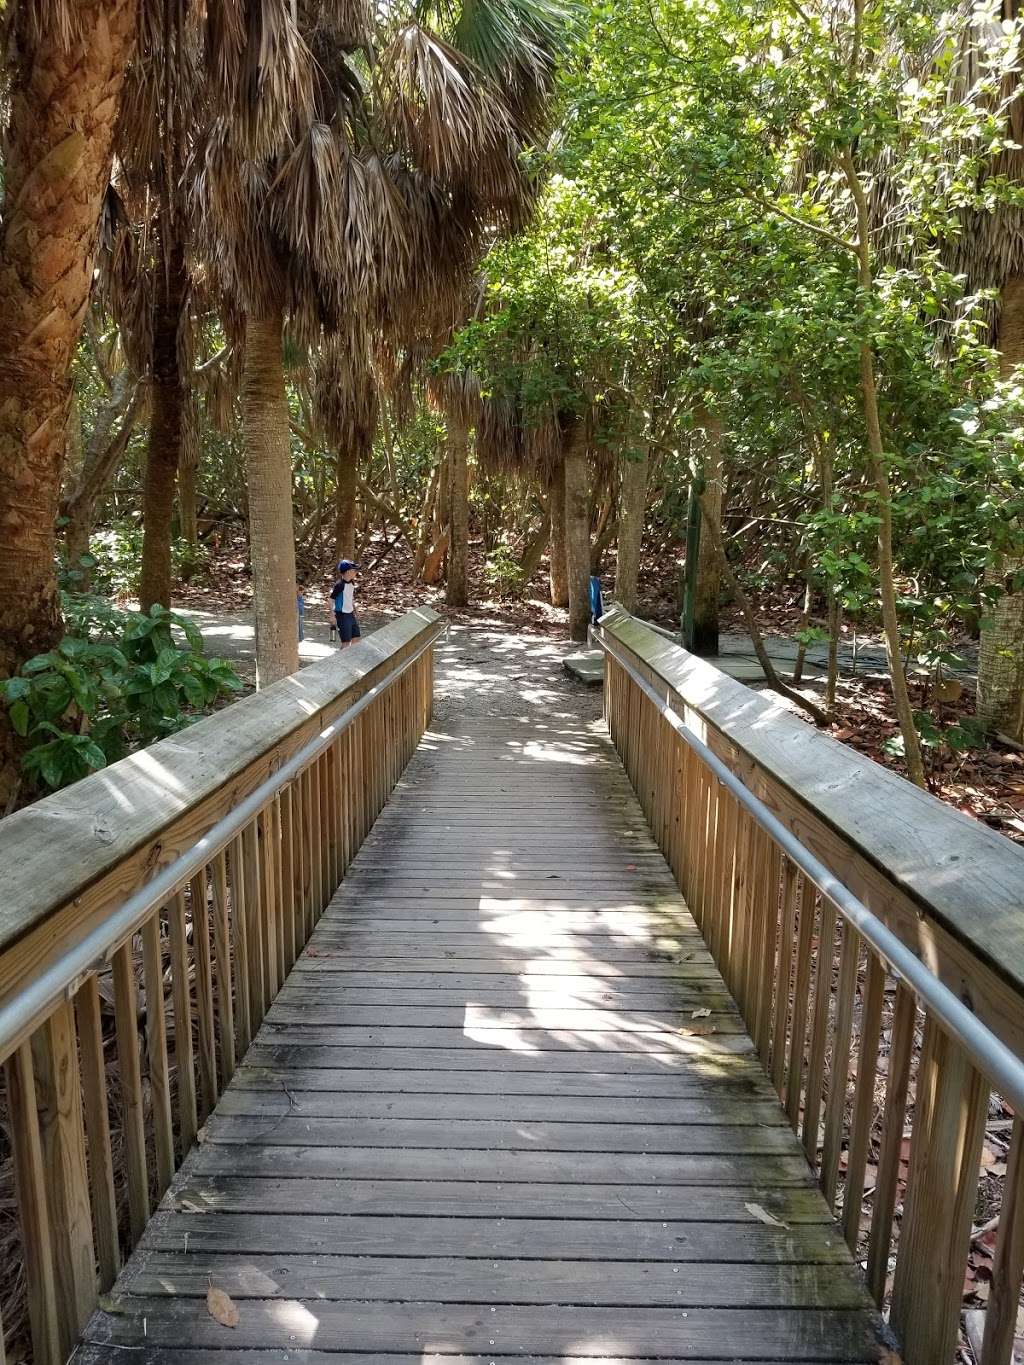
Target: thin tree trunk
(62, 100)
(705, 612)
(99, 463)
(534, 551)
(557, 560)
(269, 470)
(632, 505)
(1001, 653)
(880, 477)
(167, 424)
(577, 531)
(346, 485)
(457, 590)
(426, 522)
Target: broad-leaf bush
(117, 681)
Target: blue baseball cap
(345, 564)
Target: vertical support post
(692, 555)
(59, 1095)
(126, 1019)
(97, 1131)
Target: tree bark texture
(632, 505)
(577, 531)
(167, 425)
(457, 589)
(557, 560)
(63, 98)
(1001, 653)
(709, 566)
(269, 476)
(346, 486)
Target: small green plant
(503, 572)
(116, 682)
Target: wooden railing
(809, 896)
(169, 896)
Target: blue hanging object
(596, 604)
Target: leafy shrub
(116, 682)
(503, 572)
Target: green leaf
(20, 718)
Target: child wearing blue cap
(343, 595)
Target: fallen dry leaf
(700, 1014)
(764, 1216)
(221, 1307)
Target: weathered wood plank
(771, 1334)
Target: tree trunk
(632, 505)
(97, 467)
(424, 538)
(577, 531)
(457, 591)
(167, 423)
(533, 553)
(346, 484)
(557, 561)
(880, 477)
(187, 511)
(709, 569)
(1001, 655)
(63, 100)
(269, 470)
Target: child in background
(343, 595)
(300, 603)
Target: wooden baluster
(323, 876)
(204, 993)
(246, 1013)
(839, 1072)
(339, 803)
(222, 955)
(293, 942)
(863, 1097)
(819, 1030)
(783, 977)
(330, 821)
(675, 805)
(255, 925)
(737, 979)
(126, 1018)
(801, 998)
(31, 1182)
(766, 906)
(727, 882)
(61, 1128)
(754, 937)
(183, 1055)
(268, 852)
(1008, 1267)
(901, 1052)
(712, 904)
(945, 1157)
(97, 1131)
(156, 1050)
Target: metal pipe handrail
(1003, 1068)
(62, 978)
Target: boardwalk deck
(502, 1108)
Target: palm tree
(351, 177)
(66, 63)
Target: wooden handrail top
(52, 852)
(960, 875)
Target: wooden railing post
(58, 1089)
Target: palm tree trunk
(557, 559)
(632, 504)
(63, 101)
(709, 566)
(577, 531)
(457, 591)
(533, 552)
(167, 424)
(346, 484)
(269, 475)
(1001, 655)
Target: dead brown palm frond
(455, 123)
(344, 396)
(499, 436)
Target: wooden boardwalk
(502, 1108)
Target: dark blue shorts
(348, 626)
